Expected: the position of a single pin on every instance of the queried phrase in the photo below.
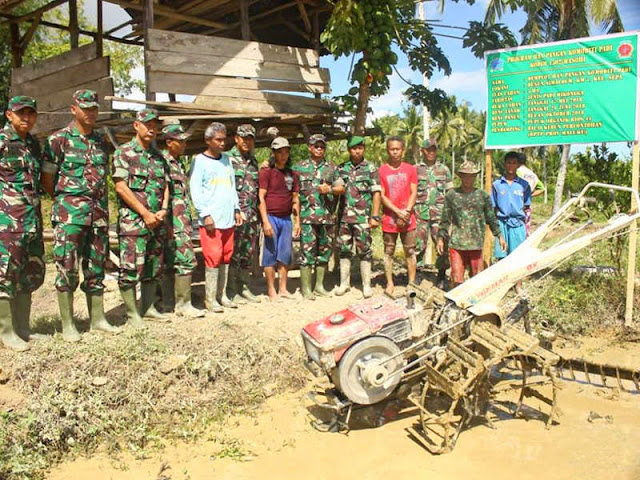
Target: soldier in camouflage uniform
(21, 248)
(319, 183)
(357, 217)
(465, 213)
(245, 240)
(142, 184)
(180, 259)
(434, 179)
(74, 173)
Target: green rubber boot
(319, 290)
(223, 274)
(235, 285)
(211, 290)
(8, 334)
(147, 299)
(305, 283)
(345, 277)
(69, 331)
(95, 305)
(21, 311)
(168, 288)
(245, 292)
(129, 299)
(184, 307)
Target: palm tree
(411, 128)
(554, 20)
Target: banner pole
(488, 181)
(633, 240)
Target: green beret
(354, 141)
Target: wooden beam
(24, 41)
(188, 84)
(170, 105)
(147, 25)
(171, 13)
(244, 20)
(118, 27)
(99, 28)
(305, 17)
(36, 13)
(74, 29)
(231, 26)
(238, 67)
(292, 26)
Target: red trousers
(461, 259)
(217, 247)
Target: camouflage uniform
(21, 247)
(80, 213)
(245, 236)
(467, 214)
(433, 183)
(361, 181)
(179, 254)
(141, 249)
(316, 211)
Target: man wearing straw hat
(466, 212)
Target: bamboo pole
(633, 240)
(488, 180)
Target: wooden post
(633, 240)
(147, 24)
(74, 29)
(487, 250)
(244, 20)
(100, 29)
(16, 49)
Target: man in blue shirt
(213, 191)
(511, 197)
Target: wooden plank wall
(236, 76)
(53, 81)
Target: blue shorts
(278, 248)
(514, 236)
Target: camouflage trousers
(179, 256)
(244, 245)
(21, 264)
(315, 243)
(358, 233)
(424, 229)
(141, 257)
(75, 243)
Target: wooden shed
(234, 61)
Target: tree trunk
(360, 121)
(562, 175)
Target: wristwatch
(375, 217)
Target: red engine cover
(360, 320)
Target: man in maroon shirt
(399, 182)
(278, 194)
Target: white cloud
(462, 82)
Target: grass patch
(111, 392)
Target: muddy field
(276, 439)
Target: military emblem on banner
(625, 49)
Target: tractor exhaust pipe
(411, 299)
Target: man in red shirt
(278, 193)
(399, 182)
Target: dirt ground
(278, 441)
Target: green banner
(578, 91)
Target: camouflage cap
(21, 101)
(86, 99)
(355, 141)
(175, 131)
(468, 167)
(429, 143)
(279, 142)
(246, 130)
(147, 114)
(317, 137)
